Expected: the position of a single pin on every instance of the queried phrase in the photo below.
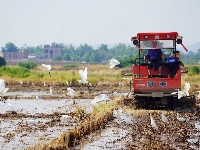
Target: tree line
(126, 54)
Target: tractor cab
(169, 61)
(157, 81)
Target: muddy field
(32, 114)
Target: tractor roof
(157, 35)
(151, 36)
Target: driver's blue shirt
(154, 54)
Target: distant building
(22, 54)
(51, 52)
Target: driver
(154, 55)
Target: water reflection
(19, 132)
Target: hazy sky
(36, 22)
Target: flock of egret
(113, 62)
(82, 73)
(122, 117)
(70, 91)
(164, 119)
(101, 97)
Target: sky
(93, 22)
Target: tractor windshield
(161, 44)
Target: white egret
(83, 75)
(3, 89)
(99, 98)
(198, 96)
(71, 92)
(120, 84)
(180, 94)
(184, 92)
(96, 100)
(122, 117)
(117, 113)
(180, 118)
(37, 97)
(186, 89)
(153, 124)
(46, 68)
(114, 94)
(31, 122)
(113, 63)
(9, 104)
(104, 97)
(50, 90)
(164, 118)
(64, 118)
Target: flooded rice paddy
(36, 116)
(24, 122)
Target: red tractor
(158, 87)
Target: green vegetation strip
(100, 115)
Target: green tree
(36, 50)
(103, 47)
(195, 70)
(57, 58)
(28, 65)
(66, 56)
(94, 57)
(83, 49)
(9, 47)
(2, 61)
(56, 45)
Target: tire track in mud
(141, 134)
(173, 134)
(97, 119)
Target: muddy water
(35, 120)
(110, 138)
(41, 106)
(115, 136)
(135, 132)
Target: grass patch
(70, 66)
(96, 74)
(15, 72)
